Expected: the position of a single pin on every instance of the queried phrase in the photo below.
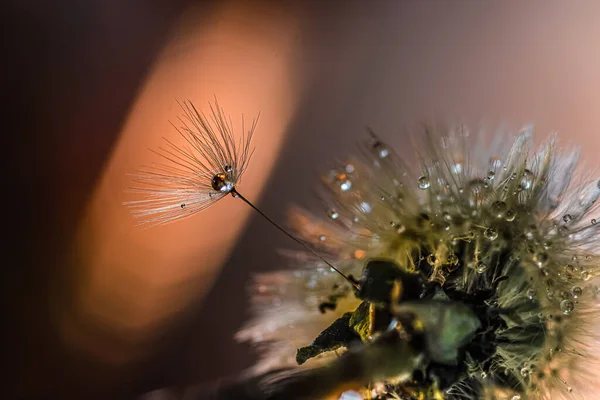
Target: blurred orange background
(101, 308)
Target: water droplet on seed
(594, 222)
(531, 294)
(567, 306)
(333, 214)
(491, 234)
(576, 292)
(424, 182)
(481, 267)
(567, 218)
(510, 215)
(498, 209)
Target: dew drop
(498, 209)
(447, 216)
(452, 259)
(365, 207)
(527, 180)
(491, 175)
(183, 205)
(576, 292)
(540, 259)
(594, 222)
(569, 389)
(525, 371)
(567, 307)
(491, 234)
(585, 275)
(567, 218)
(383, 152)
(333, 214)
(346, 185)
(228, 168)
(516, 397)
(481, 267)
(322, 238)
(424, 182)
(510, 215)
(400, 229)
(531, 294)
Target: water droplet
(540, 259)
(447, 216)
(400, 229)
(510, 215)
(383, 152)
(516, 397)
(452, 259)
(345, 185)
(491, 234)
(183, 205)
(491, 175)
(220, 183)
(531, 294)
(525, 371)
(228, 168)
(457, 168)
(498, 209)
(322, 238)
(526, 180)
(424, 182)
(481, 267)
(585, 275)
(594, 222)
(333, 214)
(349, 168)
(567, 218)
(567, 307)
(569, 389)
(576, 292)
(365, 207)
(513, 176)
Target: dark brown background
(75, 69)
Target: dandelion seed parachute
(506, 230)
(194, 176)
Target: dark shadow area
(74, 68)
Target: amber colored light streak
(134, 280)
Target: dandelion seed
(197, 174)
(205, 169)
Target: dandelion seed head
(499, 226)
